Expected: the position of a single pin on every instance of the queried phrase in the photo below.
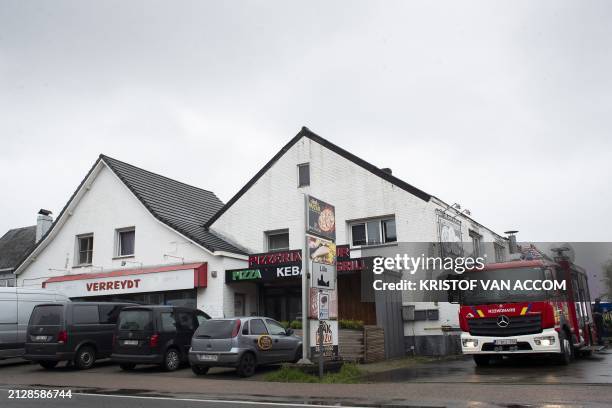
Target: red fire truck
(498, 323)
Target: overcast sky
(504, 107)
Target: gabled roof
(15, 244)
(305, 132)
(182, 207)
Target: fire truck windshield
(497, 295)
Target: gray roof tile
(182, 207)
(15, 244)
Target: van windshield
(216, 329)
(50, 315)
(136, 320)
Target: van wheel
(48, 365)
(172, 360)
(481, 361)
(127, 366)
(247, 364)
(199, 370)
(85, 358)
(567, 353)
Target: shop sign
(115, 285)
(449, 231)
(264, 274)
(267, 267)
(324, 301)
(321, 250)
(330, 338)
(314, 303)
(245, 275)
(291, 257)
(344, 262)
(321, 218)
(323, 276)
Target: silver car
(244, 343)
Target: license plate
(208, 357)
(504, 342)
(40, 338)
(130, 342)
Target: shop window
(125, 240)
(476, 243)
(278, 240)
(303, 175)
(85, 249)
(373, 232)
(257, 327)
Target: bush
(296, 325)
(351, 324)
(285, 324)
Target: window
(303, 175)
(85, 248)
(125, 241)
(275, 327)
(85, 315)
(278, 241)
(373, 232)
(201, 317)
(168, 323)
(185, 321)
(476, 239)
(109, 313)
(500, 255)
(257, 327)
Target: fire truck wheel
(481, 361)
(567, 352)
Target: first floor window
(85, 246)
(373, 232)
(125, 241)
(499, 252)
(278, 241)
(476, 240)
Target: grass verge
(348, 374)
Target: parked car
(79, 332)
(155, 335)
(16, 305)
(244, 343)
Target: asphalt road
(522, 383)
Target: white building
(373, 209)
(127, 233)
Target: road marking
(283, 404)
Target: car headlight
(544, 341)
(469, 343)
